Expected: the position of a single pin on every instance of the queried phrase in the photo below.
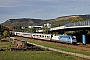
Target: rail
(60, 51)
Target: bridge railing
(83, 23)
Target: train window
(69, 37)
(48, 36)
(43, 36)
(73, 37)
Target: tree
(88, 32)
(70, 32)
(45, 29)
(5, 33)
(32, 30)
(0, 37)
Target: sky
(42, 9)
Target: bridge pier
(84, 39)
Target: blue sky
(42, 9)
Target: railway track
(86, 46)
(60, 51)
(53, 49)
(78, 47)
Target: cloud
(43, 9)
(7, 2)
(46, 0)
(45, 3)
(5, 6)
(16, 6)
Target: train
(49, 37)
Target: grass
(36, 55)
(58, 47)
(62, 48)
(6, 44)
(33, 55)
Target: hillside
(24, 22)
(54, 22)
(68, 19)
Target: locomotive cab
(74, 40)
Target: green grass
(6, 45)
(33, 55)
(58, 47)
(36, 55)
(62, 48)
